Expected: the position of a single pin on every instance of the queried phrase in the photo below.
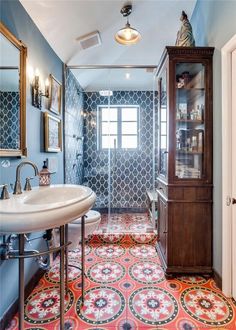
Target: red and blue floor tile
(126, 289)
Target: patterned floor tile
(206, 306)
(43, 306)
(110, 251)
(125, 223)
(143, 251)
(106, 272)
(74, 272)
(126, 290)
(147, 272)
(153, 306)
(102, 305)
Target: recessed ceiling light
(106, 93)
(127, 75)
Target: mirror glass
(9, 95)
(12, 92)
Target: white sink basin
(44, 208)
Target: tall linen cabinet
(184, 179)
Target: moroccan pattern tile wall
(74, 122)
(131, 170)
(9, 120)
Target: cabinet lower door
(163, 227)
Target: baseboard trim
(12, 310)
(217, 278)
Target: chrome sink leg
(21, 282)
(82, 257)
(66, 257)
(62, 276)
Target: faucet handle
(5, 193)
(27, 183)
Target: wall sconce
(89, 118)
(92, 120)
(37, 92)
(93, 123)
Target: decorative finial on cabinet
(185, 34)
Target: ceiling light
(127, 35)
(106, 93)
(127, 75)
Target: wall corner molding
(217, 278)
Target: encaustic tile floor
(126, 290)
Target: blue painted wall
(40, 55)
(214, 24)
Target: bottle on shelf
(202, 111)
(188, 144)
(192, 114)
(194, 143)
(200, 141)
(199, 113)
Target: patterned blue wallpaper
(131, 171)
(9, 120)
(74, 121)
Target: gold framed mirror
(12, 95)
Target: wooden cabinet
(184, 182)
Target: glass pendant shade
(127, 35)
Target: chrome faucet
(17, 188)
(4, 194)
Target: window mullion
(99, 132)
(119, 137)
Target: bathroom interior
(110, 209)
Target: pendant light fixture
(127, 35)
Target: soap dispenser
(44, 175)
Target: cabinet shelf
(182, 152)
(191, 88)
(192, 121)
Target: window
(118, 127)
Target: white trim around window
(118, 128)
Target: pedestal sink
(44, 208)
(40, 209)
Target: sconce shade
(127, 35)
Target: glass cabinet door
(163, 153)
(190, 126)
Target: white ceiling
(114, 79)
(62, 21)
